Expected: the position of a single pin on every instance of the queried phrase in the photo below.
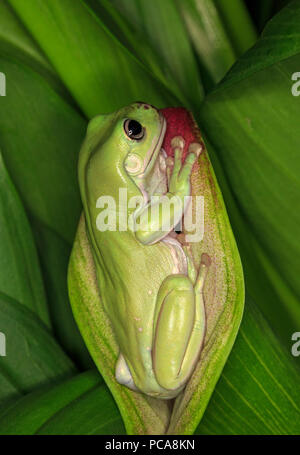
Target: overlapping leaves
(69, 65)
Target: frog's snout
(143, 105)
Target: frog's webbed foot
(202, 273)
(192, 269)
(123, 375)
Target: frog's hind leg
(179, 328)
(196, 341)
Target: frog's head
(143, 133)
(123, 143)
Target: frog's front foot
(179, 327)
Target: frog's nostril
(142, 104)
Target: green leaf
(208, 35)
(9, 392)
(161, 24)
(54, 260)
(40, 151)
(264, 13)
(33, 358)
(254, 129)
(20, 276)
(80, 405)
(16, 41)
(279, 40)
(13, 34)
(237, 23)
(258, 390)
(93, 413)
(40, 136)
(74, 39)
(135, 41)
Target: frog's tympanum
(155, 279)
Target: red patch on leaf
(179, 123)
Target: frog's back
(144, 267)
(133, 292)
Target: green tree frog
(150, 286)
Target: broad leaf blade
(133, 39)
(163, 27)
(93, 413)
(12, 32)
(40, 139)
(20, 276)
(54, 261)
(73, 38)
(16, 41)
(279, 40)
(253, 127)
(33, 358)
(258, 390)
(208, 35)
(44, 407)
(9, 392)
(237, 23)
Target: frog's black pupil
(134, 128)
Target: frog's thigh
(173, 326)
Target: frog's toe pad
(177, 142)
(196, 148)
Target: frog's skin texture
(150, 287)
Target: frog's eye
(134, 129)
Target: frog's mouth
(150, 161)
